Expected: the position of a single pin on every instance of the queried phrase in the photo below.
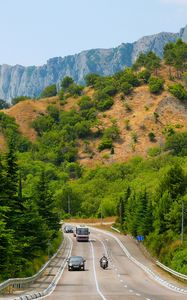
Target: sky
(32, 31)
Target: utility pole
(182, 223)
(69, 204)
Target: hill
(140, 114)
(30, 81)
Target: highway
(123, 279)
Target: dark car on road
(76, 263)
(68, 229)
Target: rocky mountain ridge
(30, 81)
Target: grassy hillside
(136, 115)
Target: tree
(45, 204)
(177, 143)
(91, 79)
(156, 84)
(175, 54)
(66, 82)
(4, 104)
(49, 91)
(178, 91)
(149, 60)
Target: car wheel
(69, 269)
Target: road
(122, 280)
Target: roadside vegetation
(42, 182)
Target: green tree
(156, 84)
(178, 91)
(66, 82)
(49, 91)
(45, 204)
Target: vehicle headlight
(70, 264)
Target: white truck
(82, 233)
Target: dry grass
(141, 121)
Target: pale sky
(33, 31)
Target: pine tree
(45, 204)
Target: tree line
(27, 225)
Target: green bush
(85, 103)
(177, 142)
(156, 84)
(144, 76)
(91, 79)
(151, 136)
(49, 91)
(126, 88)
(110, 90)
(3, 104)
(178, 91)
(106, 143)
(154, 151)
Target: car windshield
(82, 231)
(75, 259)
(69, 227)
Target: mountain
(30, 81)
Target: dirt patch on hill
(27, 111)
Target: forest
(38, 179)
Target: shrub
(91, 79)
(154, 151)
(127, 107)
(177, 143)
(126, 88)
(103, 101)
(110, 90)
(151, 136)
(19, 99)
(144, 76)
(85, 103)
(156, 84)
(3, 104)
(75, 89)
(178, 91)
(112, 132)
(106, 143)
(49, 91)
(134, 137)
(61, 94)
(128, 76)
(127, 124)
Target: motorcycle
(104, 263)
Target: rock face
(30, 81)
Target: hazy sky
(33, 31)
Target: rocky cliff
(30, 81)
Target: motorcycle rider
(103, 258)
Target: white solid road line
(142, 266)
(95, 275)
(60, 274)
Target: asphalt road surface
(123, 279)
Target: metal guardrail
(175, 273)
(20, 282)
(115, 229)
(51, 286)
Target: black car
(76, 263)
(68, 229)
